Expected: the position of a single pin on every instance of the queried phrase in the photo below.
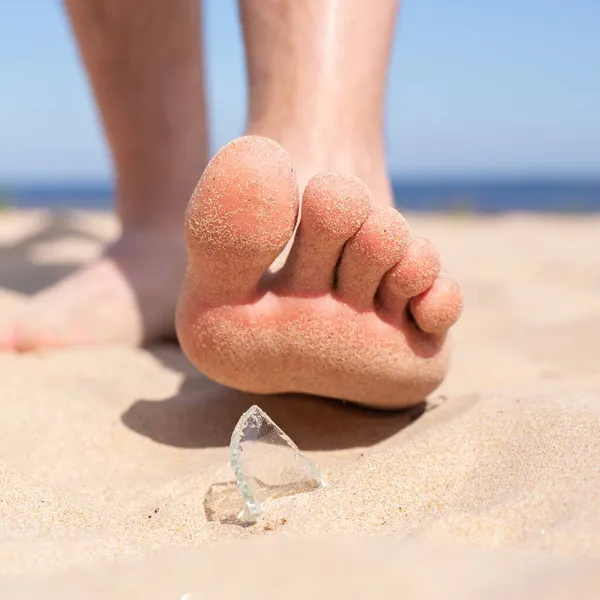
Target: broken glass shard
(266, 462)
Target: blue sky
(477, 88)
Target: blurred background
(491, 106)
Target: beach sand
(114, 463)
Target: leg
(317, 73)
(358, 311)
(145, 67)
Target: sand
(111, 458)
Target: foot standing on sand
(359, 311)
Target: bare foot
(358, 312)
(126, 297)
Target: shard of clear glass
(266, 462)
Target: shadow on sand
(203, 414)
(20, 273)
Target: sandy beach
(114, 463)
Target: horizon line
(9, 185)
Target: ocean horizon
(430, 195)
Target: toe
(414, 273)
(378, 245)
(240, 218)
(438, 308)
(334, 207)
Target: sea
(470, 196)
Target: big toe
(239, 219)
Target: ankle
(315, 151)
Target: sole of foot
(358, 311)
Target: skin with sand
(358, 311)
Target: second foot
(358, 312)
(126, 298)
